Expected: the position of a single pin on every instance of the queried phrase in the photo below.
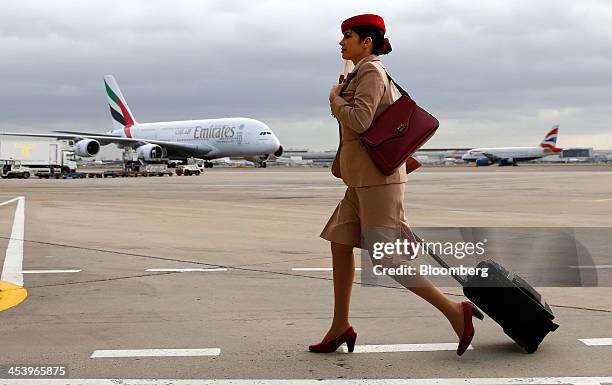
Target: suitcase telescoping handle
(439, 260)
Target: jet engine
(87, 147)
(279, 152)
(150, 152)
(483, 162)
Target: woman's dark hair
(380, 44)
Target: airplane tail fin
(120, 111)
(550, 140)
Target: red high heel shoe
(349, 336)
(469, 311)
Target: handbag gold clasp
(400, 128)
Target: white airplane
(294, 161)
(207, 138)
(506, 156)
(226, 161)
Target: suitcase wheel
(531, 348)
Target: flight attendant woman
(372, 199)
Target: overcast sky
(495, 73)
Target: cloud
(492, 72)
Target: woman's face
(353, 48)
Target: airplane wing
(493, 158)
(174, 148)
(80, 133)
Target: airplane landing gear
(504, 162)
(262, 164)
(208, 164)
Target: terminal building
(585, 153)
(575, 154)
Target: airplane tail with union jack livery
(123, 119)
(550, 140)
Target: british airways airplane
(506, 156)
(207, 139)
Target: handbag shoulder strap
(354, 73)
(348, 80)
(399, 88)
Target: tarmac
(100, 300)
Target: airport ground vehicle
(14, 169)
(47, 174)
(187, 170)
(156, 169)
(42, 153)
(132, 174)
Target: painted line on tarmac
(592, 200)
(592, 267)
(286, 186)
(186, 270)
(405, 348)
(13, 261)
(51, 271)
(596, 341)
(317, 269)
(12, 292)
(393, 381)
(10, 201)
(155, 353)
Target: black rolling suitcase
(510, 301)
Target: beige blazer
(365, 97)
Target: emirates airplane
(506, 156)
(207, 139)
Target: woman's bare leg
(452, 310)
(423, 287)
(343, 263)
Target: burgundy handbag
(398, 132)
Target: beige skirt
(364, 208)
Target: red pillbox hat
(363, 20)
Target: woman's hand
(335, 90)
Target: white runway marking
(51, 271)
(284, 186)
(13, 262)
(317, 269)
(394, 381)
(10, 201)
(592, 267)
(155, 353)
(596, 341)
(593, 200)
(405, 348)
(185, 270)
